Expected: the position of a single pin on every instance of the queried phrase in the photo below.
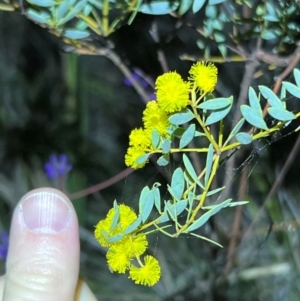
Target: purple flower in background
(138, 77)
(3, 245)
(57, 166)
(144, 81)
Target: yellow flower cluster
(173, 95)
(122, 252)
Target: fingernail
(46, 212)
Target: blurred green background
(53, 102)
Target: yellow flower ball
(172, 92)
(204, 75)
(148, 274)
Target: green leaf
(270, 96)
(42, 3)
(244, 138)
(182, 117)
(163, 160)
(253, 117)
(223, 50)
(187, 136)
(206, 239)
(206, 216)
(133, 226)
(135, 11)
(87, 9)
(73, 12)
(42, 17)
(142, 159)
(164, 218)
(145, 191)
(217, 115)
(293, 89)
(235, 130)
(62, 9)
(184, 6)
(232, 204)
(115, 238)
(214, 2)
(190, 169)
(297, 76)
(239, 203)
(177, 183)
(116, 217)
(268, 35)
(215, 104)
(197, 5)
(254, 101)
(158, 7)
(176, 209)
(157, 199)
(209, 163)
(81, 25)
(76, 34)
(146, 206)
(155, 138)
(212, 192)
(211, 12)
(166, 146)
(281, 114)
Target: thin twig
(160, 54)
(121, 175)
(235, 232)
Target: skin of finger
(42, 266)
(82, 292)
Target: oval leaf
(163, 160)
(281, 114)
(235, 130)
(155, 138)
(115, 238)
(244, 138)
(142, 159)
(158, 7)
(176, 209)
(177, 183)
(133, 226)
(254, 101)
(166, 146)
(197, 5)
(190, 169)
(293, 89)
(147, 206)
(42, 3)
(253, 117)
(38, 17)
(76, 34)
(184, 6)
(181, 118)
(297, 76)
(206, 216)
(187, 136)
(116, 217)
(217, 116)
(215, 104)
(157, 199)
(270, 96)
(209, 163)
